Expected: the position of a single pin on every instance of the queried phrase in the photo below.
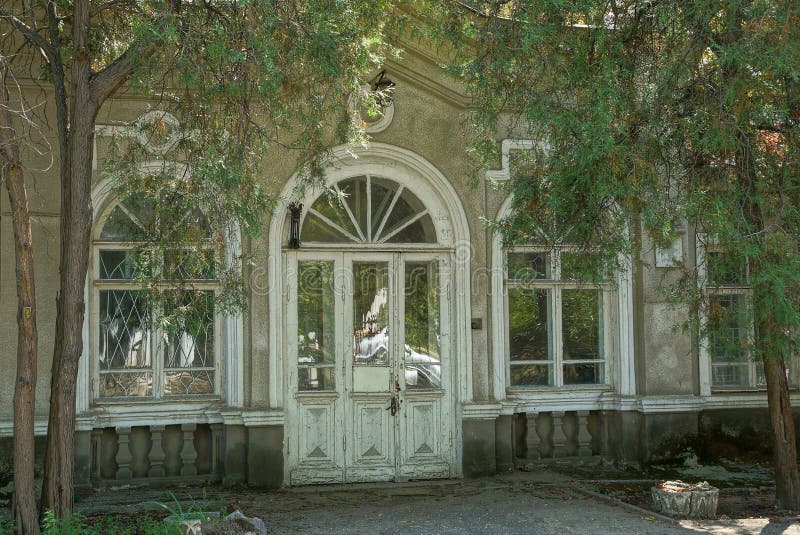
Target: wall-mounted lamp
(295, 209)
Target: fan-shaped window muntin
(135, 356)
(368, 209)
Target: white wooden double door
(369, 367)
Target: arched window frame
(374, 225)
(122, 287)
(230, 375)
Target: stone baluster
(584, 437)
(559, 434)
(533, 441)
(216, 450)
(124, 455)
(157, 454)
(604, 417)
(188, 453)
(97, 455)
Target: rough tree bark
(24, 500)
(76, 224)
(89, 90)
(784, 450)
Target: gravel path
(538, 502)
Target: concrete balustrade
(558, 434)
(157, 452)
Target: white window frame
(230, 361)
(158, 368)
(557, 285)
(707, 365)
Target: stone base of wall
(636, 437)
(235, 454)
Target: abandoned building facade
(389, 337)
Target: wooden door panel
(424, 441)
(370, 442)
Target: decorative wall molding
(142, 131)
(177, 414)
(507, 145)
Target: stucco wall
(668, 360)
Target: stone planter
(190, 523)
(682, 499)
(212, 524)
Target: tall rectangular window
(143, 350)
(555, 319)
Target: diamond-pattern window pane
(126, 384)
(189, 340)
(117, 264)
(189, 265)
(125, 340)
(177, 383)
(119, 227)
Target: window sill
(741, 390)
(567, 389)
(112, 402)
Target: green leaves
(660, 112)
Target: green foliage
(656, 112)
(248, 81)
(77, 524)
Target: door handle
(394, 406)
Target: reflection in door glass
(370, 313)
(422, 358)
(315, 325)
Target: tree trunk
(24, 500)
(784, 447)
(76, 225)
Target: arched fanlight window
(368, 209)
(137, 354)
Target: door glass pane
(422, 350)
(370, 313)
(581, 324)
(315, 325)
(315, 378)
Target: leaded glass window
(144, 351)
(368, 209)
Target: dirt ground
(554, 499)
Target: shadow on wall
(734, 434)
